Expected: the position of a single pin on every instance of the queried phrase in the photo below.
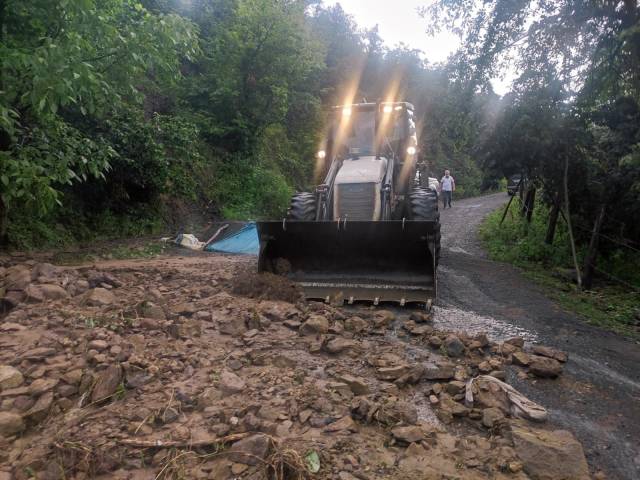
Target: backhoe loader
(371, 230)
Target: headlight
(411, 150)
(387, 109)
(346, 111)
(321, 154)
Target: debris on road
(198, 367)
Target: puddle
(449, 318)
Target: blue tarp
(244, 241)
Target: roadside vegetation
(613, 302)
(125, 117)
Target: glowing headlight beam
(322, 154)
(411, 150)
(346, 112)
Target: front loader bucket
(386, 261)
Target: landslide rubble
(199, 368)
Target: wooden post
(568, 220)
(506, 209)
(592, 252)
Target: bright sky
(398, 21)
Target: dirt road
(598, 397)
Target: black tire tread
(302, 207)
(423, 205)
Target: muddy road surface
(194, 366)
(598, 397)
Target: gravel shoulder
(598, 397)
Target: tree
(62, 61)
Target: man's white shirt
(447, 183)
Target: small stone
(499, 374)
(230, 383)
(491, 417)
(107, 383)
(292, 324)
(550, 353)
(454, 346)
(38, 354)
(517, 342)
(187, 309)
(41, 385)
(484, 367)
(98, 345)
(392, 373)
(455, 387)
(10, 377)
(520, 358)
(435, 342)
(41, 293)
(383, 318)
(357, 385)
(316, 324)
(441, 372)
(252, 450)
(10, 424)
(421, 317)
(238, 468)
(99, 297)
(408, 434)
(356, 324)
(339, 345)
(345, 423)
(40, 410)
(544, 367)
(433, 400)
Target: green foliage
(610, 304)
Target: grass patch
(608, 305)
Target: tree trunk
(568, 220)
(553, 221)
(592, 252)
(531, 202)
(4, 220)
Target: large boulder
(17, 277)
(550, 455)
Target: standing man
(448, 186)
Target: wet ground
(598, 397)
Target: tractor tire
(302, 207)
(423, 205)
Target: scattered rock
(10, 424)
(408, 434)
(492, 416)
(550, 455)
(550, 353)
(544, 367)
(520, 358)
(517, 342)
(441, 372)
(392, 373)
(230, 383)
(10, 377)
(107, 383)
(435, 342)
(455, 387)
(339, 345)
(357, 385)
(346, 423)
(99, 297)
(252, 450)
(40, 410)
(316, 324)
(356, 324)
(454, 346)
(421, 317)
(41, 293)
